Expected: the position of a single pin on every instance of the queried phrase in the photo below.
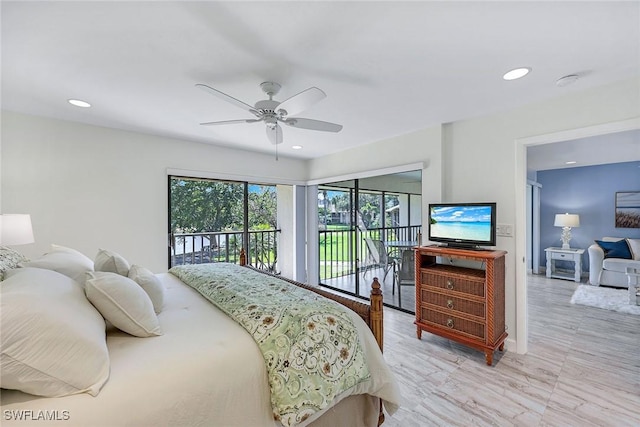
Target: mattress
(205, 370)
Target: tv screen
(463, 224)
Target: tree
(341, 202)
(202, 205)
(369, 206)
(263, 205)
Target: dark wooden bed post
(376, 313)
(377, 324)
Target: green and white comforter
(311, 347)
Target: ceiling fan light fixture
(271, 122)
(272, 112)
(79, 103)
(516, 73)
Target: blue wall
(588, 191)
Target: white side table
(633, 280)
(559, 254)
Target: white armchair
(611, 271)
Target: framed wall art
(628, 209)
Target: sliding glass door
(365, 226)
(337, 234)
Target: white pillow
(64, 260)
(150, 283)
(111, 262)
(10, 258)
(52, 340)
(122, 302)
(634, 246)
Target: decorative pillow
(122, 302)
(111, 262)
(52, 340)
(150, 283)
(619, 249)
(10, 258)
(634, 246)
(64, 260)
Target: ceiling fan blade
(228, 98)
(312, 124)
(229, 122)
(274, 134)
(302, 101)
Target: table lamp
(15, 229)
(566, 221)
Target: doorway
(522, 222)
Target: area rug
(607, 298)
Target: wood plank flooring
(582, 369)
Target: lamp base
(565, 237)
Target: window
(212, 220)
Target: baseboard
(510, 344)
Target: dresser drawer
(453, 303)
(458, 283)
(455, 323)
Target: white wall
(474, 160)
(88, 187)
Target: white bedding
(205, 370)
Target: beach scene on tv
(461, 222)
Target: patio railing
(224, 246)
(337, 247)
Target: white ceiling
(388, 68)
(596, 150)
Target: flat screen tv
(469, 225)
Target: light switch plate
(504, 230)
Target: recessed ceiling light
(79, 103)
(516, 73)
(570, 162)
(297, 147)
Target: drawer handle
(449, 303)
(450, 284)
(450, 323)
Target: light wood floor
(582, 369)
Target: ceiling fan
(272, 112)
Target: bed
(196, 367)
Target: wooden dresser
(464, 304)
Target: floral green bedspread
(309, 343)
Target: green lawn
(337, 244)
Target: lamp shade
(567, 220)
(15, 229)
